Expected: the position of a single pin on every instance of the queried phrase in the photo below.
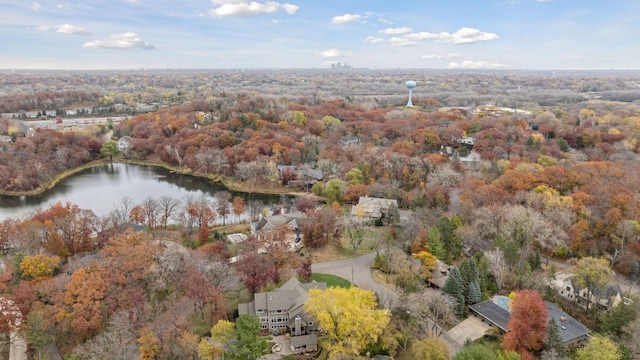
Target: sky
(383, 34)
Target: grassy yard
(331, 280)
(372, 236)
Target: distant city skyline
(223, 34)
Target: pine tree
(473, 294)
(554, 346)
(453, 287)
(469, 275)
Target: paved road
(358, 270)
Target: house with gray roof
(496, 313)
(370, 208)
(282, 310)
(605, 298)
(267, 227)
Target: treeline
(32, 161)
(48, 100)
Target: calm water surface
(102, 188)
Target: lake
(102, 188)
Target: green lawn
(331, 280)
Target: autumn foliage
(527, 323)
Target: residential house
(268, 227)
(312, 175)
(370, 209)
(496, 312)
(350, 140)
(439, 275)
(124, 144)
(287, 173)
(282, 310)
(568, 288)
(26, 130)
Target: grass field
(331, 280)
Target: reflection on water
(102, 188)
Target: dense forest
(484, 187)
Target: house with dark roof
(282, 310)
(496, 313)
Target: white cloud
(345, 19)
(245, 8)
(290, 8)
(331, 53)
(395, 31)
(36, 7)
(65, 29)
(128, 40)
(422, 36)
(467, 36)
(133, 1)
(470, 64)
(396, 41)
(373, 40)
(71, 29)
(440, 56)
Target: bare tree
(151, 207)
(497, 265)
(168, 207)
(120, 215)
(355, 231)
(223, 209)
(118, 342)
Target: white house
(124, 144)
(369, 208)
(568, 288)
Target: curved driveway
(358, 271)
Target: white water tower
(410, 84)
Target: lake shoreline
(222, 180)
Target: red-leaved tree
(527, 324)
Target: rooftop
(495, 313)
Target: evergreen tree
(452, 244)
(535, 261)
(469, 275)
(453, 287)
(554, 346)
(483, 273)
(473, 294)
(435, 244)
(247, 344)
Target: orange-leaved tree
(527, 324)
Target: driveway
(358, 271)
(471, 328)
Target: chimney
(297, 328)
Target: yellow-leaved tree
(350, 318)
(39, 266)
